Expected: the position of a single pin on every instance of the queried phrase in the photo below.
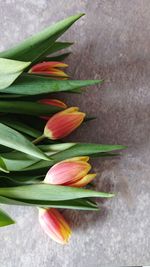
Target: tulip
(52, 102)
(63, 123)
(70, 172)
(49, 68)
(54, 225)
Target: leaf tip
(99, 81)
(122, 147)
(81, 15)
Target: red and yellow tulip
(50, 68)
(70, 172)
(54, 225)
(63, 123)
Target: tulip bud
(63, 123)
(54, 225)
(70, 172)
(52, 102)
(49, 68)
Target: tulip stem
(39, 139)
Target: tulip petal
(63, 123)
(54, 224)
(69, 110)
(83, 158)
(53, 102)
(84, 181)
(66, 172)
(49, 68)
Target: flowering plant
(37, 168)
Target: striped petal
(84, 181)
(54, 225)
(67, 172)
(63, 123)
(49, 68)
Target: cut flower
(50, 68)
(70, 172)
(63, 123)
(54, 225)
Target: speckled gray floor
(113, 43)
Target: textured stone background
(113, 43)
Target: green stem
(39, 139)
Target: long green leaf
(57, 46)
(16, 161)
(60, 57)
(79, 149)
(13, 139)
(26, 107)
(13, 179)
(20, 126)
(39, 44)
(79, 204)
(50, 192)
(29, 84)
(10, 70)
(5, 219)
(85, 149)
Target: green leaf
(60, 57)
(5, 219)
(79, 204)
(16, 161)
(3, 167)
(86, 149)
(79, 149)
(50, 192)
(13, 139)
(20, 126)
(9, 96)
(6, 181)
(57, 46)
(29, 84)
(10, 70)
(56, 147)
(27, 107)
(82, 149)
(39, 44)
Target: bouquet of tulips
(37, 168)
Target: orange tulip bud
(53, 102)
(70, 172)
(49, 68)
(63, 123)
(54, 225)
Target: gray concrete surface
(111, 42)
